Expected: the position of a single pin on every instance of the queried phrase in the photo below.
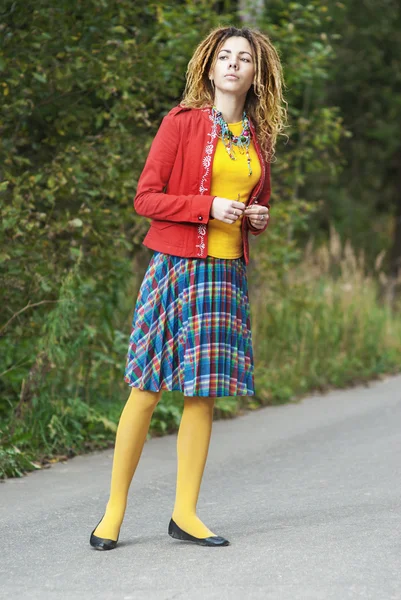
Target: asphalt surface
(309, 494)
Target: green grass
(319, 342)
(328, 323)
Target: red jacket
(174, 184)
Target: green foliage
(365, 85)
(14, 463)
(167, 415)
(84, 86)
(321, 324)
(81, 102)
(315, 127)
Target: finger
(259, 217)
(235, 213)
(258, 223)
(240, 205)
(254, 210)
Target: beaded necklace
(242, 141)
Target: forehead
(236, 44)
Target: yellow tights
(192, 449)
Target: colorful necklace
(242, 141)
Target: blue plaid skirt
(191, 328)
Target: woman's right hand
(226, 210)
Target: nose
(233, 63)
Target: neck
(231, 107)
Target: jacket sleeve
(151, 201)
(263, 200)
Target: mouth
(230, 76)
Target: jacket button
(200, 217)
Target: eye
(223, 56)
(246, 59)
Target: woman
(205, 184)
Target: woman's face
(234, 68)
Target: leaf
(118, 29)
(42, 77)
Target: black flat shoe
(179, 534)
(102, 543)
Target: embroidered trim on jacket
(207, 161)
(201, 237)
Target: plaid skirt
(191, 328)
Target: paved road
(309, 495)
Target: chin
(233, 86)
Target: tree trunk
(395, 259)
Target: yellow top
(230, 178)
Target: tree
(366, 85)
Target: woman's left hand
(257, 215)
